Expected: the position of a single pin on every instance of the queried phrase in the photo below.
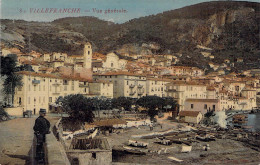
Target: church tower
(87, 56)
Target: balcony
(36, 82)
(140, 86)
(132, 93)
(140, 93)
(82, 85)
(132, 86)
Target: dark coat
(41, 125)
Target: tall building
(87, 63)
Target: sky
(27, 9)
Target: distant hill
(229, 28)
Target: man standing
(41, 128)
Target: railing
(132, 86)
(132, 93)
(140, 92)
(140, 86)
(82, 85)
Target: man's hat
(42, 110)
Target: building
(41, 90)
(101, 88)
(202, 105)
(156, 86)
(190, 117)
(125, 83)
(114, 63)
(185, 71)
(181, 91)
(89, 151)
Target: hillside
(230, 29)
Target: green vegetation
(11, 79)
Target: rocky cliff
(229, 29)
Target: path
(16, 138)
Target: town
(94, 75)
(138, 82)
(130, 82)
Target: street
(16, 140)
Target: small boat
(206, 138)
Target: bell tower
(87, 56)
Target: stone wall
(92, 158)
(15, 111)
(56, 154)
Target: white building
(125, 84)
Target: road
(16, 139)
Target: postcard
(102, 82)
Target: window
(191, 106)
(65, 82)
(20, 100)
(214, 107)
(50, 99)
(94, 155)
(39, 88)
(29, 88)
(65, 88)
(205, 106)
(112, 65)
(126, 82)
(34, 88)
(88, 52)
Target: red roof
(189, 113)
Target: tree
(169, 103)
(155, 103)
(122, 102)
(8, 66)
(152, 103)
(12, 80)
(78, 107)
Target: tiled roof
(189, 113)
(52, 76)
(203, 100)
(186, 83)
(120, 73)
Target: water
(252, 123)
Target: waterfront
(252, 122)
